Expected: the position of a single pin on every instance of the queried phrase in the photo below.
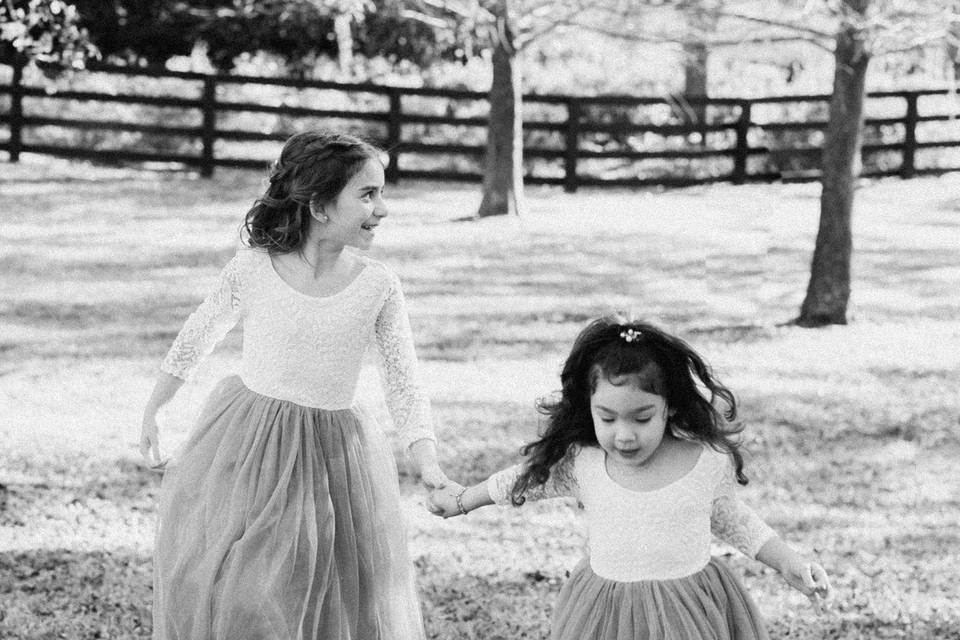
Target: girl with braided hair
(278, 520)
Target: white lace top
(649, 535)
(307, 349)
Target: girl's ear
(316, 211)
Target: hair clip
(630, 334)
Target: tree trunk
(503, 164)
(953, 49)
(829, 289)
(701, 22)
(341, 26)
(695, 58)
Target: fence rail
(572, 129)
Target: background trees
(44, 30)
(854, 31)
(501, 32)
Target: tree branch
(668, 39)
(419, 16)
(776, 23)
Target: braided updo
(314, 166)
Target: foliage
(45, 31)
(153, 31)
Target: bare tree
(701, 23)
(505, 28)
(828, 291)
(503, 162)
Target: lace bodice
(306, 349)
(649, 535)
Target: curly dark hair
(313, 167)
(660, 363)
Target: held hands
(810, 579)
(433, 478)
(443, 502)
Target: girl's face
(357, 209)
(629, 422)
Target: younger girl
(280, 519)
(654, 466)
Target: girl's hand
(150, 440)
(810, 579)
(432, 477)
(424, 455)
(443, 502)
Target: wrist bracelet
(463, 511)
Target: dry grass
(851, 430)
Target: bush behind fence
(118, 114)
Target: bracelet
(463, 511)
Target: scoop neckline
(643, 492)
(273, 270)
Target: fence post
(908, 165)
(394, 120)
(739, 174)
(571, 146)
(209, 125)
(16, 110)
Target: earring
(320, 217)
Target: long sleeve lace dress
(279, 519)
(648, 572)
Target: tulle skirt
(708, 605)
(282, 522)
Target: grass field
(850, 431)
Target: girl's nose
(380, 210)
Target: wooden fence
(574, 129)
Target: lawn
(850, 431)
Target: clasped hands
(442, 501)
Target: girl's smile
(352, 218)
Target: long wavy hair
(313, 167)
(629, 352)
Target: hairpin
(630, 334)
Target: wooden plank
(532, 125)
(124, 98)
(109, 154)
(456, 176)
(381, 116)
(648, 155)
(394, 136)
(209, 127)
(596, 181)
(252, 136)
(663, 129)
(15, 144)
(907, 165)
(571, 145)
(81, 123)
(938, 143)
(739, 174)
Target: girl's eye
(642, 420)
(366, 196)
(607, 420)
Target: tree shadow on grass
(492, 607)
(60, 593)
(101, 490)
